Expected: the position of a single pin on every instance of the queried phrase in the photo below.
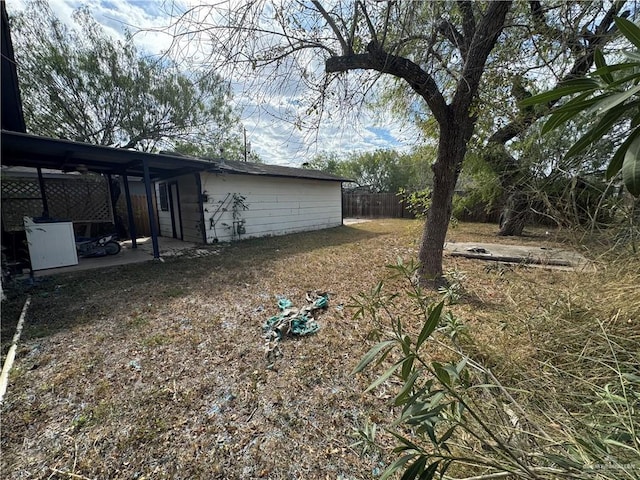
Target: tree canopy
(80, 84)
(542, 44)
(549, 43)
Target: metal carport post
(152, 218)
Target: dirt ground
(158, 370)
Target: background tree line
(382, 170)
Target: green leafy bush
(607, 96)
(418, 202)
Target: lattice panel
(20, 188)
(20, 198)
(14, 211)
(81, 199)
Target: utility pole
(244, 131)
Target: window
(164, 202)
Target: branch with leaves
(610, 95)
(455, 418)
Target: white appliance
(51, 244)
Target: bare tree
(438, 49)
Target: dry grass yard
(158, 370)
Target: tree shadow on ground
(64, 301)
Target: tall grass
(574, 414)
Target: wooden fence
(374, 205)
(389, 205)
(140, 214)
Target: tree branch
(411, 38)
(377, 59)
(372, 29)
(486, 35)
(345, 47)
(386, 24)
(468, 20)
(448, 31)
(603, 33)
(541, 26)
(354, 23)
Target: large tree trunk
(513, 177)
(514, 216)
(476, 41)
(452, 146)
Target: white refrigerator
(51, 244)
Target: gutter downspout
(342, 203)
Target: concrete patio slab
(168, 247)
(531, 255)
(353, 221)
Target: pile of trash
(292, 321)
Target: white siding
(276, 206)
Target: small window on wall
(164, 202)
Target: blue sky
(275, 140)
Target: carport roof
(26, 150)
(22, 149)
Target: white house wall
(276, 206)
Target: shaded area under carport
(128, 255)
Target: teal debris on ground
(293, 321)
